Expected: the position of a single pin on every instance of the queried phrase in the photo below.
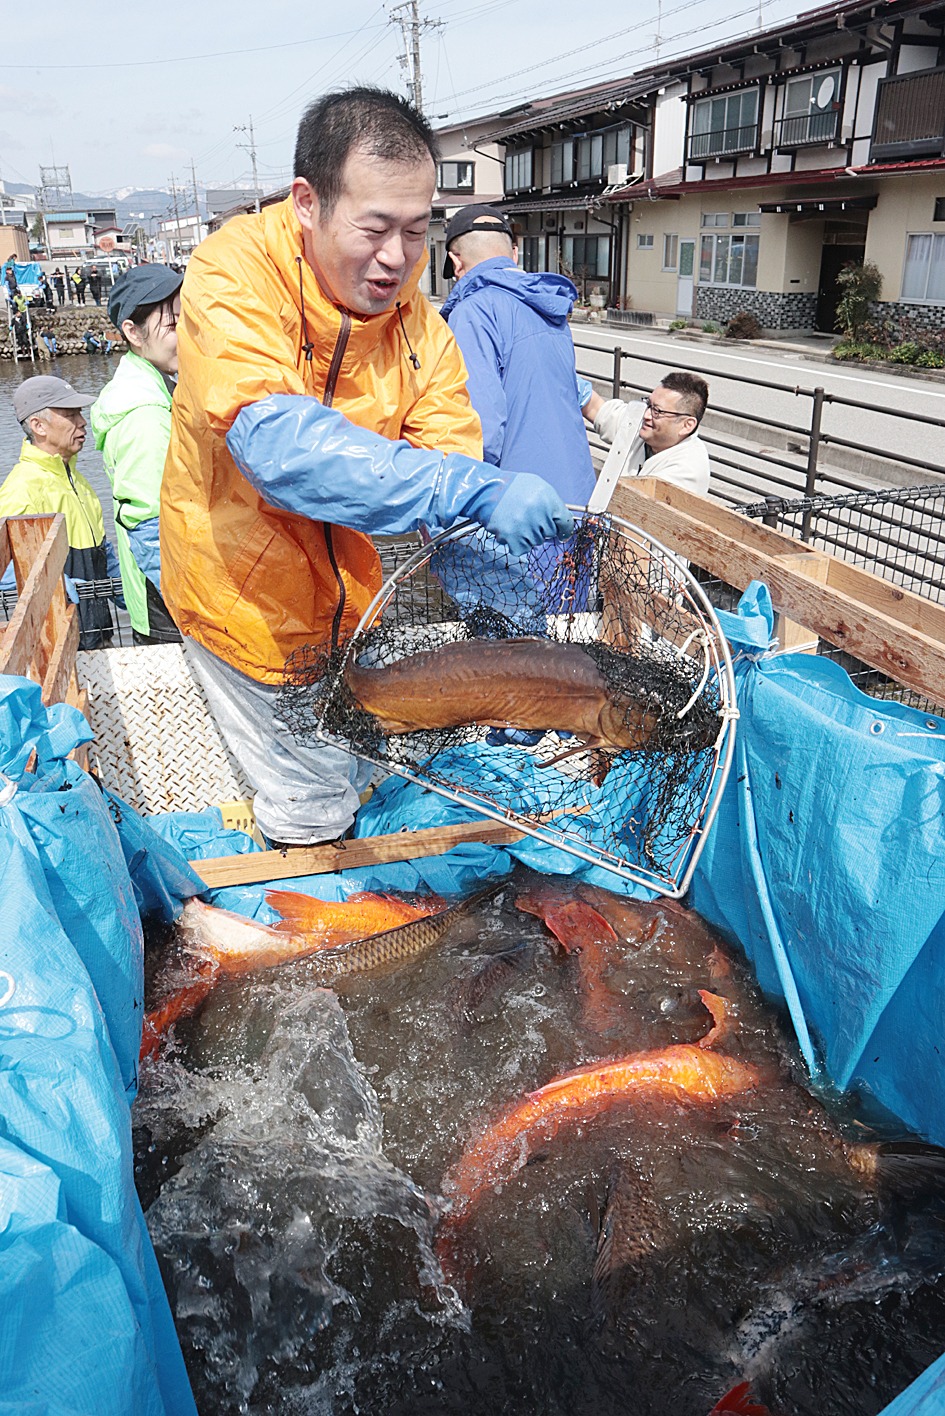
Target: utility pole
(180, 238)
(193, 175)
(407, 18)
(250, 147)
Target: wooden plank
(910, 609)
(790, 635)
(731, 523)
(370, 850)
(6, 555)
(27, 534)
(18, 649)
(60, 674)
(912, 658)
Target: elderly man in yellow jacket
(46, 480)
(321, 400)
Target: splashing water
(292, 1142)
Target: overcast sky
(129, 97)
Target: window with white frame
(923, 277)
(811, 109)
(746, 218)
(715, 218)
(728, 123)
(456, 176)
(644, 240)
(729, 258)
(670, 250)
(518, 170)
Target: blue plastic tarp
(84, 1321)
(925, 1397)
(834, 819)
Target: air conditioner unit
(616, 174)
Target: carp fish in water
(524, 684)
(682, 1071)
(216, 943)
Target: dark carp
(632, 1229)
(526, 684)
(393, 946)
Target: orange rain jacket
(247, 580)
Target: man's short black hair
(375, 120)
(693, 392)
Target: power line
(191, 58)
(615, 68)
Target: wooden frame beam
(891, 629)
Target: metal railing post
(813, 451)
(770, 517)
(618, 356)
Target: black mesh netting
(577, 691)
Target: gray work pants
(303, 794)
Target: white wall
(669, 129)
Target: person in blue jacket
(512, 329)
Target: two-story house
(470, 170)
(754, 172)
(792, 153)
(562, 156)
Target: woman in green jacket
(131, 423)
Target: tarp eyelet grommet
(10, 987)
(876, 727)
(932, 724)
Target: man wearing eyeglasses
(670, 429)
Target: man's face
(664, 424)
(60, 431)
(365, 252)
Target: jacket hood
(135, 384)
(553, 296)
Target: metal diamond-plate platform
(156, 744)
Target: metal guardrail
(105, 589)
(809, 480)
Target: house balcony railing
(807, 129)
(722, 142)
(910, 117)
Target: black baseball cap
(142, 285)
(476, 217)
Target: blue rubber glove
(527, 513)
(521, 737)
(584, 389)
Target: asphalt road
(888, 424)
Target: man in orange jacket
(321, 399)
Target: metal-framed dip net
(582, 694)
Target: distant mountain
(129, 202)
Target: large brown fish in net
(525, 684)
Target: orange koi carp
(345, 921)
(220, 944)
(684, 1071)
(583, 932)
